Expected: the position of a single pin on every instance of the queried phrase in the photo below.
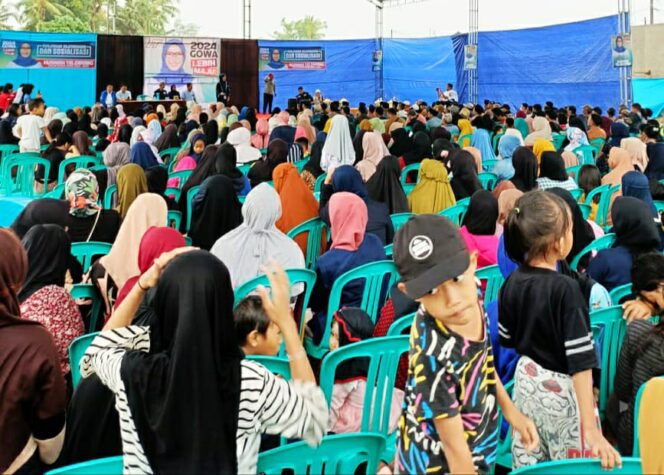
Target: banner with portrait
(377, 60)
(180, 61)
(469, 57)
(286, 58)
(621, 50)
(21, 51)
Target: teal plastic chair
(504, 449)
(75, 163)
(619, 293)
(659, 205)
(190, 209)
(336, 454)
(182, 177)
(630, 466)
(586, 154)
(487, 165)
(604, 242)
(455, 213)
(173, 193)
(57, 192)
(89, 292)
(300, 164)
(399, 219)
(245, 168)
(605, 193)
(9, 210)
(576, 193)
(379, 277)
(174, 219)
(77, 349)
(168, 155)
(494, 280)
(8, 149)
(496, 140)
(597, 144)
(574, 172)
(108, 196)
(85, 252)
(488, 180)
(319, 182)
(389, 251)
(274, 364)
(465, 140)
(295, 276)
(585, 210)
(464, 202)
(400, 325)
(408, 169)
(558, 140)
(316, 244)
(105, 466)
(636, 450)
(22, 166)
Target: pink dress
(186, 163)
(486, 247)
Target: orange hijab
(297, 201)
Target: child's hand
(276, 304)
(636, 310)
(602, 449)
(526, 429)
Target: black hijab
(226, 164)
(582, 231)
(48, 248)
(440, 133)
(124, 135)
(168, 138)
(223, 134)
(6, 135)
(84, 125)
(43, 211)
(218, 212)
(552, 167)
(442, 149)
(185, 403)
(525, 169)
(204, 169)
(385, 185)
(313, 165)
(180, 116)
(401, 142)
(575, 121)
(634, 225)
(464, 175)
(482, 214)
(354, 325)
(211, 131)
(277, 153)
(357, 146)
(421, 150)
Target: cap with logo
(429, 250)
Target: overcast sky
(355, 18)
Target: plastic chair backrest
(585, 210)
(494, 280)
(105, 466)
(597, 144)
(300, 164)
(659, 205)
(504, 449)
(496, 140)
(488, 180)
(190, 199)
(399, 219)
(57, 192)
(574, 172)
(400, 325)
(9, 210)
(23, 181)
(619, 293)
(378, 278)
(274, 364)
(487, 165)
(586, 154)
(604, 242)
(77, 349)
(245, 168)
(576, 193)
(455, 213)
(84, 252)
(108, 196)
(319, 182)
(558, 140)
(389, 251)
(89, 292)
(8, 149)
(173, 219)
(182, 176)
(315, 243)
(383, 354)
(169, 154)
(82, 161)
(341, 453)
(605, 205)
(636, 450)
(630, 466)
(465, 140)
(173, 193)
(410, 168)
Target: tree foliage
(65, 24)
(307, 28)
(6, 14)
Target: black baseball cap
(429, 250)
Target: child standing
(449, 422)
(544, 316)
(30, 127)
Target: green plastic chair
(598, 145)
(168, 155)
(245, 168)
(576, 193)
(619, 293)
(89, 292)
(84, 252)
(274, 364)
(77, 349)
(9, 211)
(315, 243)
(496, 140)
(636, 450)
(605, 193)
(8, 149)
(300, 164)
(389, 251)
(379, 278)
(504, 449)
(174, 219)
(659, 205)
(57, 192)
(487, 165)
(558, 140)
(463, 138)
(190, 198)
(586, 154)
(455, 213)
(494, 280)
(400, 325)
(488, 180)
(574, 172)
(630, 466)
(77, 162)
(108, 196)
(319, 182)
(105, 466)
(22, 183)
(399, 219)
(182, 177)
(341, 453)
(585, 210)
(604, 242)
(173, 193)
(408, 169)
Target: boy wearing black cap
(449, 423)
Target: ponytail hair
(61, 139)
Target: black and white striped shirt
(268, 404)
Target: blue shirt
(188, 96)
(611, 267)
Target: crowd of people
(169, 383)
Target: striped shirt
(268, 404)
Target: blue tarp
(650, 94)
(63, 88)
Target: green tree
(145, 17)
(179, 28)
(65, 24)
(34, 13)
(307, 28)
(5, 15)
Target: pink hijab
(477, 156)
(374, 151)
(348, 217)
(262, 137)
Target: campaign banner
(377, 60)
(469, 57)
(180, 61)
(24, 53)
(621, 50)
(278, 58)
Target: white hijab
(338, 149)
(241, 139)
(257, 240)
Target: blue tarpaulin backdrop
(649, 93)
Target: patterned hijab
(82, 191)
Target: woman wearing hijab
(636, 234)
(143, 156)
(261, 138)
(338, 149)
(465, 128)
(226, 164)
(43, 297)
(347, 178)
(401, 143)
(297, 201)
(385, 186)
(374, 150)
(277, 153)
(154, 127)
(464, 175)
(637, 151)
(583, 233)
(125, 133)
(116, 156)
(577, 138)
(131, 183)
(482, 142)
(507, 145)
(211, 132)
(156, 178)
(433, 192)
(33, 391)
(479, 228)
(635, 184)
(241, 140)
(312, 169)
(168, 138)
(250, 247)
(352, 246)
(421, 149)
(541, 130)
(205, 169)
(655, 152)
(541, 146)
(525, 169)
(80, 145)
(442, 148)
(136, 134)
(620, 163)
(216, 211)
(553, 173)
(506, 202)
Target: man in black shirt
(161, 94)
(303, 96)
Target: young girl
(588, 179)
(544, 316)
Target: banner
(24, 53)
(621, 50)
(469, 57)
(377, 60)
(277, 58)
(179, 61)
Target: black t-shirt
(55, 157)
(304, 97)
(160, 94)
(543, 315)
(105, 230)
(174, 95)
